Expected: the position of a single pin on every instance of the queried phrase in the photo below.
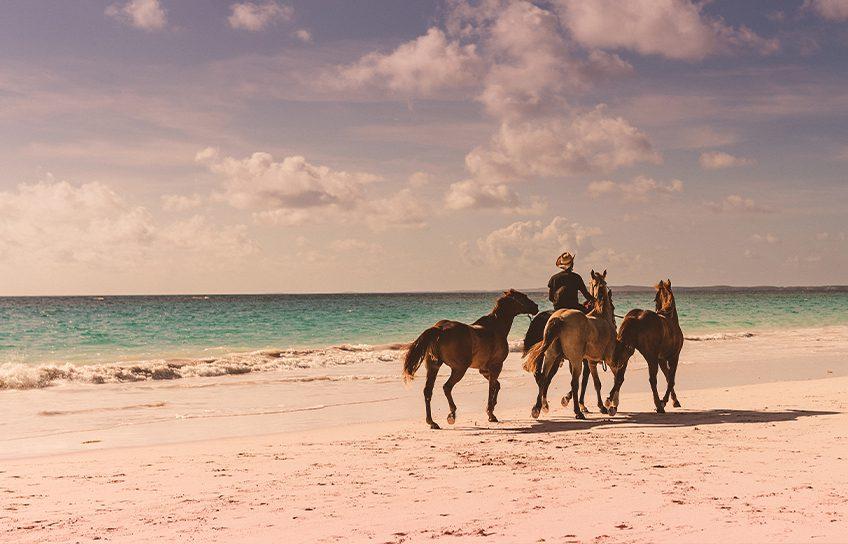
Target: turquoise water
(85, 329)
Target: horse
(575, 336)
(481, 345)
(658, 337)
(536, 331)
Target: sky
(200, 146)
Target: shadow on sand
(564, 423)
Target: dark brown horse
(481, 345)
(657, 336)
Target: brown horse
(575, 336)
(658, 338)
(481, 345)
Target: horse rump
(417, 351)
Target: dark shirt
(571, 283)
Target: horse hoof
(660, 410)
(584, 409)
(676, 404)
(535, 413)
(434, 425)
(546, 408)
(607, 403)
(451, 419)
(579, 415)
(612, 410)
(492, 418)
(565, 401)
(603, 409)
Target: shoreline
(168, 366)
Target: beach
(756, 453)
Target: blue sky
(187, 146)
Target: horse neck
(503, 319)
(606, 311)
(670, 311)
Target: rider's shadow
(640, 420)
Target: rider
(564, 286)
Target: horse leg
(546, 380)
(672, 373)
(575, 381)
(612, 400)
(456, 374)
(663, 364)
(432, 372)
(583, 385)
(543, 380)
(597, 381)
(494, 387)
(653, 366)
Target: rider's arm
(552, 290)
(584, 291)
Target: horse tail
(536, 354)
(418, 350)
(536, 330)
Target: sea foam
(24, 376)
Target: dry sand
(763, 462)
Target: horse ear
(605, 273)
(668, 283)
(592, 273)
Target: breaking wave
(23, 376)
(719, 336)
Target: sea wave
(24, 376)
(719, 336)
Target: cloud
(737, 203)
(303, 35)
(470, 194)
(256, 16)
(282, 191)
(59, 224)
(589, 142)
(715, 160)
(675, 29)
(181, 203)
(355, 245)
(641, 188)
(144, 14)
(832, 10)
(767, 238)
(420, 67)
(405, 209)
(531, 244)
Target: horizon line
(424, 292)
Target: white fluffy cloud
(832, 10)
(56, 223)
(737, 203)
(282, 192)
(716, 160)
(421, 66)
(640, 188)
(590, 142)
(471, 194)
(256, 16)
(675, 29)
(530, 243)
(143, 14)
(181, 203)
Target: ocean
(50, 340)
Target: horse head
(600, 292)
(517, 303)
(664, 300)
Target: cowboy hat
(565, 261)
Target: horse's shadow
(638, 420)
